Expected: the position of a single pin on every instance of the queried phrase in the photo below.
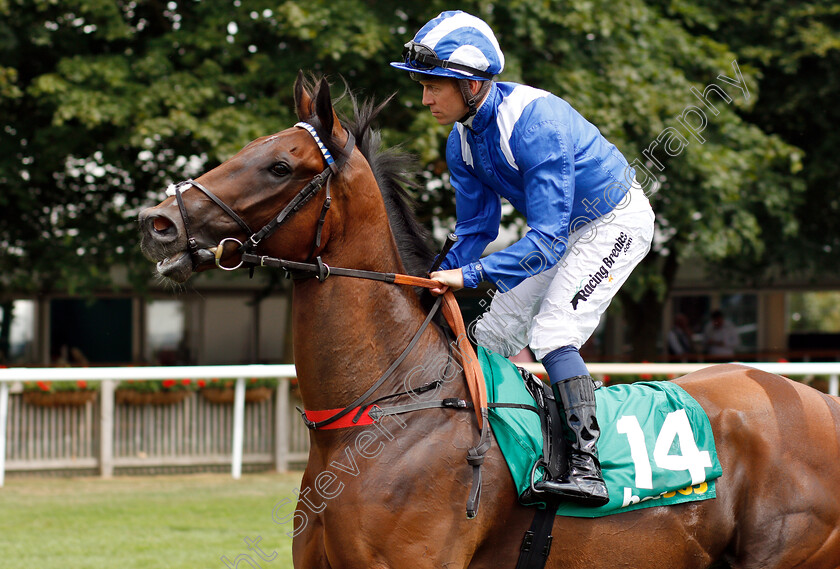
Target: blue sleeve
(544, 155)
(478, 211)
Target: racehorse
(391, 495)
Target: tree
(721, 193)
(794, 48)
(105, 102)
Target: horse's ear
(324, 109)
(303, 100)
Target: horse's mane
(395, 172)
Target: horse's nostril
(161, 224)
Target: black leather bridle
(475, 455)
(255, 238)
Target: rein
(371, 413)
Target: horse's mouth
(178, 267)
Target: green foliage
(60, 386)
(157, 385)
(792, 48)
(103, 103)
(815, 312)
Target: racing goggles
(423, 58)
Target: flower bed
(222, 392)
(157, 392)
(59, 393)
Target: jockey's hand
(450, 279)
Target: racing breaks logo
(620, 247)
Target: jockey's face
(444, 99)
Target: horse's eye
(281, 169)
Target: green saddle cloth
(656, 446)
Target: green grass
(161, 522)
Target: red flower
(201, 383)
(44, 385)
(81, 384)
(606, 379)
(186, 381)
(253, 380)
(167, 383)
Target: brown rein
(321, 271)
(452, 313)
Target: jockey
(589, 222)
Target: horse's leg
(308, 549)
(406, 508)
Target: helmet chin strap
(471, 100)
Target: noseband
(340, 418)
(254, 238)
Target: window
(814, 325)
(17, 332)
(84, 332)
(166, 333)
(695, 308)
(814, 312)
(742, 311)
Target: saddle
(656, 446)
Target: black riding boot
(583, 482)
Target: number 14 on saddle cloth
(656, 446)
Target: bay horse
(392, 495)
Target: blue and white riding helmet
(454, 44)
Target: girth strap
(536, 544)
(378, 412)
(475, 458)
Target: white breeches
(563, 305)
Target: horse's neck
(349, 331)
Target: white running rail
(109, 376)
